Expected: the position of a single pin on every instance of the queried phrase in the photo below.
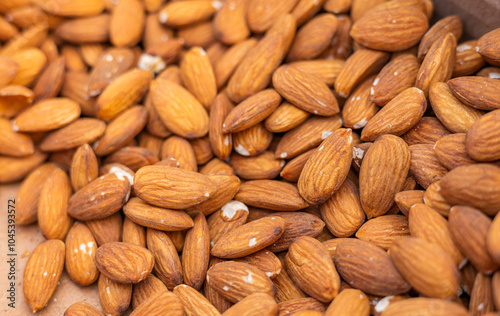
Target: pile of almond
(254, 157)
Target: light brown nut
(167, 264)
(264, 194)
(80, 255)
(384, 230)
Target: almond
(168, 266)
(292, 170)
(432, 272)
(14, 99)
(51, 80)
(85, 30)
(378, 185)
(237, 280)
(424, 306)
(263, 166)
(425, 166)
(162, 303)
(469, 228)
(231, 216)
(179, 149)
(81, 131)
(254, 305)
(249, 238)
(17, 167)
(451, 153)
(194, 302)
(108, 229)
(358, 109)
(481, 300)
(229, 61)
(13, 143)
(487, 46)
(492, 239)
(325, 69)
(127, 23)
(481, 141)
(475, 91)
(406, 199)
(296, 224)
(467, 60)
(349, 302)
(368, 268)
(264, 260)
(181, 14)
(196, 253)
(161, 186)
(450, 24)
(230, 24)
(300, 304)
(384, 230)
(132, 158)
(264, 194)
(311, 268)
(42, 273)
(82, 309)
(150, 286)
(80, 255)
(427, 131)
(133, 233)
(100, 198)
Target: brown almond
(80, 255)
(196, 253)
(167, 264)
(270, 194)
(384, 230)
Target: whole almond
(80, 255)
(84, 167)
(424, 306)
(162, 303)
(432, 273)
(127, 23)
(161, 186)
(196, 253)
(368, 268)
(451, 152)
(358, 108)
(181, 14)
(487, 45)
(81, 131)
(168, 266)
(481, 141)
(194, 302)
(108, 229)
(349, 302)
(378, 185)
(329, 166)
(263, 194)
(17, 167)
(146, 288)
(85, 30)
(425, 166)
(133, 233)
(450, 24)
(229, 23)
(492, 239)
(237, 280)
(14, 143)
(384, 230)
(311, 268)
(475, 91)
(42, 273)
(180, 149)
(406, 199)
(427, 131)
(82, 309)
(298, 305)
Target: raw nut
(162, 303)
(50, 83)
(180, 150)
(57, 112)
(251, 111)
(488, 47)
(198, 76)
(15, 168)
(286, 290)
(230, 25)
(482, 139)
(469, 228)
(82, 131)
(93, 29)
(133, 233)
(227, 186)
(384, 230)
(492, 239)
(448, 25)
(428, 224)
(170, 187)
(82, 309)
(178, 109)
(231, 216)
(252, 141)
(84, 167)
(133, 158)
(227, 63)
(76, 8)
(221, 303)
(261, 14)
(427, 131)
(292, 170)
(42, 273)
(342, 213)
(156, 217)
(124, 263)
(271, 195)
(257, 304)
(237, 280)
(311, 268)
(13, 143)
(127, 23)
(296, 224)
(358, 109)
(125, 91)
(121, 130)
(108, 229)
(263, 166)
(382, 174)
(406, 199)
(100, 198)
(481, 297)
(249, 238)
(441, 53)
(80, 255)
(53, 218)
(475, 185)
(196, 253)
(434, 199)
(425, 166)
(146, 288)
(292, 306)
(427, 267)
(194, 302)
(327, 168)
(182, 14)
(264, 260)
(425, 307)
(28, 196)
(313, 38)
(306, 136)
(476, 91)
(357, 68)
(349, 302)
(221, 143)
(451, 152)
(467, 60)
(167, 264)
(325, 69)
(368, 268)
(398, 116)
(397, 28)
(14, 99)
(397, 75)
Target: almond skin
(196, 253)
(469, 228)
(384, 230)
(38, 287)
(249, 238)
(254, 305)
(368, 268)
(124, 263)
(100, 198)
(328, 166)
(81, 131)
(377, 185)
(451, 152)
(311, 268)
(84, 167)
(80, 255)
(438, 277)
(146, 288)
(473, 185)
(167, 264)
(156, 217)
(163, 303)
(396, 28)
(397, 116)
(237, 280)
(258, 193)
(349, 302)
(13, 143)
(154, 184)
(82, 309)
(482, 139)
(424, 306)
(477, 92)
(425, 166)
(194, 302)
